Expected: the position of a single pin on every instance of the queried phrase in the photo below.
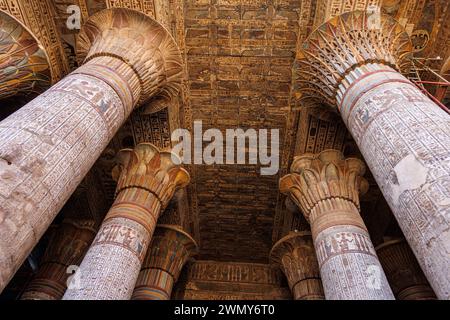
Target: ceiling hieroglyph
(238, 57)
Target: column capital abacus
(327, 175)
(146, 167)
(154, 56)
(337, 47)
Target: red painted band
(362, 78)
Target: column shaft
(326, 188)
(48, 146)
(147, 179)
(110, 268)
(405, 141)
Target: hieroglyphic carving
(169, 250)
(24, 64)
(48, 146)
(405, 144)
(296, 256)
(326, 188)
(144, 6)
(397, 128)
(62, 125)
(327, 9)
(153, 128)
(226, 281)
(403, 272)
(235, 272)
(147, 180)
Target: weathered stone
(326, 188)
(66, 249)
(147, 180)
(398, 129)
(168, 252)
(25, 66)
(403, 271)
(296, 256)
(48, 146)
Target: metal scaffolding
(420, 65)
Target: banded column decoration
(24, 64)
(66, 248)
(295, 255)
(403, 271)
(147, 180)
(326, 188)
(169, 250)
(352, 63)
(48, 146)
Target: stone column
(352, 62)
(326, 188)
(295, 255)
(403, 271)
(66, 248)
(169, 250)
(48, 146)
(24, 64)
(147, 180)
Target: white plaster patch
(411, 174)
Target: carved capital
(404, 274)
(71, 241)
(169, 250)
(138, 41)
(66, 248)
(295, 255)
(327, 175)
(344, 42)
(24, 64)
(146, 167)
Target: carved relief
(168, 252)
(24, 63)
(403, 272)
(296, 256)
(225, 281)
(326, 188)
(331, 52)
